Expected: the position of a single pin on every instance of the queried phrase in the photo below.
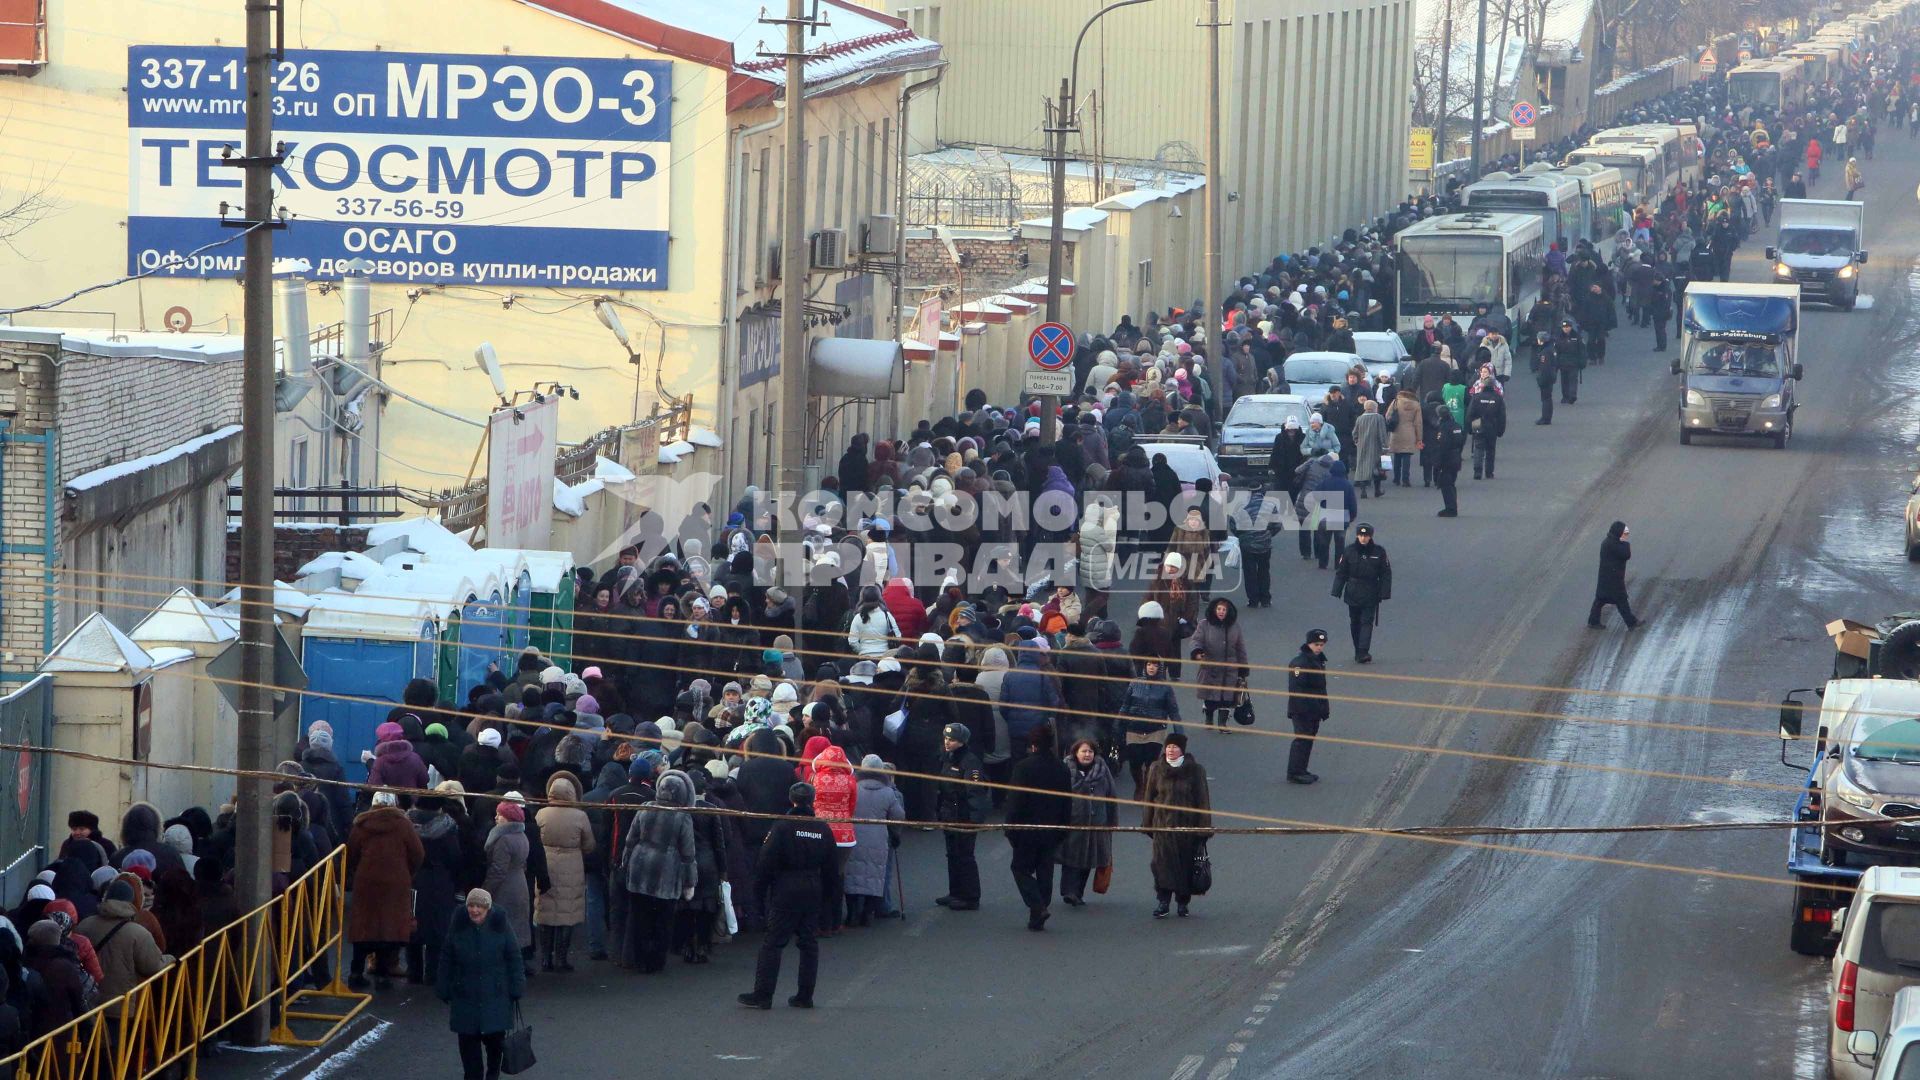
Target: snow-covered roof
(1132, 200)
(194, 348)
(421, 534)
(442, 586)
(613, 472)
(671, 453)
(700, 436)
(106, 473)
(571, 499)
(547, 568)
(353, 566)
(729, 33)
(168, 655)
(1073, 219)
(97, 646)
(185, 617)
(1565, 26)
(349, 615)
(507, 565)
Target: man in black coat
(1445, 441)
(1033, 849)
(1307, 704)
(961, 801)
(1487, 420)
(798, 869)
(853, 467)
(1612, 586)
(1363, 578)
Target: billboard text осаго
(505, 170)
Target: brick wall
(992, 265)
(26, 374)
(296, 547)
(115, 408)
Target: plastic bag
(894, 724)
(726, 907)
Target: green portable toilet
(550, 600)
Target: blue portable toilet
(467, 597)
(363, 647)
(516, 590)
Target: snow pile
(424, 535)
(108, 473)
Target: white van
(1879, 954)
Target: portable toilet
(550, 605)
(468, 598)
(516, 588)
(365, 649)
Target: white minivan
(1899, 1052)
(1879, 954)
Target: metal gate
(26, 719)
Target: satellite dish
(490, 363)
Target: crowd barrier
(270, 958)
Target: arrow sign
(1051, 346)
(1522, 114)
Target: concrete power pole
(794, 264)
(1056, 243)
(1479, 92)
(1216, 343)
(253, 838)
(1446, 65)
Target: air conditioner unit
(829, 249)
(882, 236)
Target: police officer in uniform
(797, 872)
(1307, 703)
(1363, 578)
(961, 801)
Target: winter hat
(45, 933)
(862, 673)
(120, 891)
(102, 876)
(592, 673)
(957, 732)
(587, 704)
(1316, 418)
(758, 710)
(551, 674)
(575, 686)
(1152, 610)
(640, 770)
(785, 694)
(45, 876)
(783, 642)
(732, 686)
(139, 859)
(1174, 561)
(717, 769)
(717, 594)
(510, 810)
(320, 734)
(388, 732)
(385, 798)
(40, 892)
(1293, 423)
(489, 737)
(761, 686)
(436, 729)
(479, 898)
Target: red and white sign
(929, 321)
(520, 453)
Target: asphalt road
(1367, 956)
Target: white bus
(1554, 197)
(1452, 264)
(1679, 153)
(1604, 194)
(1767, 85)
(1643, 169)
(1814, 60)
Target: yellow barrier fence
(160, 1024)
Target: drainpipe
(900, 218)
(729, 316)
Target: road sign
(288, 675)
(1525, 134)
(1708, 59)
(1048, 383)
(1051, 345)
(1522, 114)
(1420, 149)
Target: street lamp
(1050, 404)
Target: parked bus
(1642, 168)
(1815, 60)
(1679, 153)
(1450, 265)
(1604, 194)
(1767, 85)
(1554, 197)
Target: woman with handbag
(482, 977)
(1177, 797)
(1088, 852)
(1221, 652)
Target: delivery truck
(1820, 250)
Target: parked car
(1896, 1057)
(1878, 956)
(1385, 355)
(1246, 439)
(1187, 455)
(1869, 776)
(1312, 374)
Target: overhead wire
(1065, 711)
(161, 265)
(1309, 827)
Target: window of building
(760, 234)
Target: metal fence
(26, 719)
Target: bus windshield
(1447, 274)
(1759, 89)
(1751, 360)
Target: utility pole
(1062, 123)
(253, 838)
(1446, 65)
(1210, 298)
(1479, 91)
(795, 264)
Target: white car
(1312, 374)
(1879, 954)
(1385, 355)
